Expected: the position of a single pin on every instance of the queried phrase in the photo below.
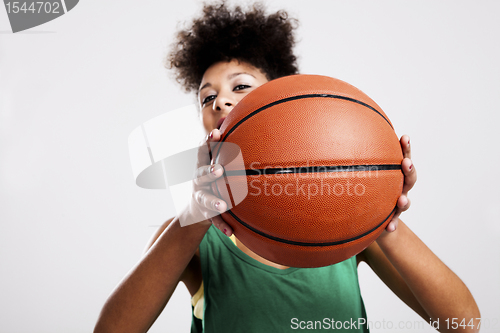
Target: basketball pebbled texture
(322, 169)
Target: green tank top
(244, 295)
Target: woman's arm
(417, 276)
(191, 276)
(412, 271)
(141, 296)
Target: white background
(73, 222)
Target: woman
(223, 56)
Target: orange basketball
(322, 167)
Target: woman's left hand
(410, 177)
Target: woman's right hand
(204, 206)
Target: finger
(220, 224)
(209, 201)
(403, 204)
(392, 226)
(410, 174)
(405, 146)
(214, 136)
(205, 150)
(207, 174)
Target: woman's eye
(241, 86)
(208, 99)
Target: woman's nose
(223, 103)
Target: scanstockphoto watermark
(310, 180)
(24, 15)
(385, 325)
(303, 189)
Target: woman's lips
(220, 121)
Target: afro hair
(221, 34)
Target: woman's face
(223, 85)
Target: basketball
(322, 168)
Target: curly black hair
(221, 34)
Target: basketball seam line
(288, 99)
(314, 169)
(291, 242)
(228, 188)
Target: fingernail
(225, 231)
(411, 166)
(211, 135)
(212, 169)
(408, 142)
(217, 205)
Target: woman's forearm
(438, 290)
(140, 297)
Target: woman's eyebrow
(206, 85)
(230, 76)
